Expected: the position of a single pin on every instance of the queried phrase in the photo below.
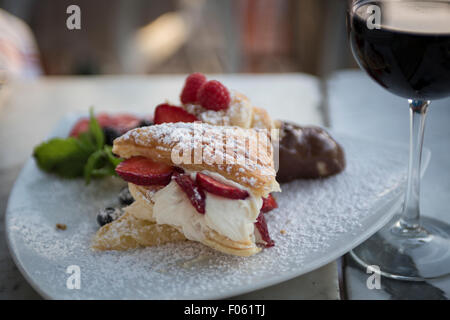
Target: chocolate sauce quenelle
(405, 47)
(307, 152)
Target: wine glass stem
(410, 218)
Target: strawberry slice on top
(220, 189)
(269, 204)
(166, 113)
(144, 171)
(193, 191)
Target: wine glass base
(405, 256)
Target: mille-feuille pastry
(211, 102)
(194, 181)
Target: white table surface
(28, 111)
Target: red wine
(409, 54)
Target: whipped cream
(239, 113)
(232, 218)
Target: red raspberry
(214, 96)
(193, 82)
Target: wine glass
(404, 45)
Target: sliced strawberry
(165, 113)
(269, 203)
(261, 226)
(123, 122)
(119, 122)
(144, 171)
(220, 189)
(81, 126)
(193, 192)
(104, 119)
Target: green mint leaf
(95, 161)
(106, 171)
(87, 142)
(87, 155)
(101, 163)
(111, 157)
(96, 130)
(65, 157)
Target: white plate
(323, 219)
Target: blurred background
(173, 36)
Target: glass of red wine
(404, 45)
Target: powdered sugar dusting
(232, 149)
(317, 216)
(238, 114)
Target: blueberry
(125, 197)
(108, 215)
(145, 123)
(110, 135)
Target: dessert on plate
(194, 181)
(182, 182)
(218, 205)
(212, 201)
